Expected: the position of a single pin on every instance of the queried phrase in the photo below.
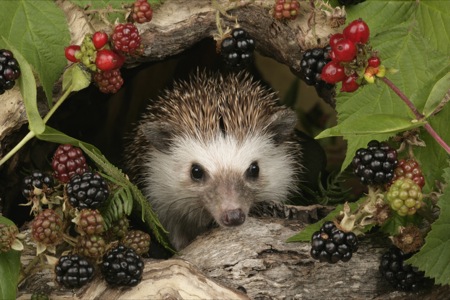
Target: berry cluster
(376, 163)
(351, 55)
(9, 70)
(286, 9)
(104, 55)
(331, 244)
(237, 49)
(400, 275)
(312, 63)
(68, 213)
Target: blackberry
(9, 70)
(142, 11)
(286, 9)
(376, 163)
(8, 234)
(126, 38)
(122, 266)
(137, 240)
(87, 191)
(90, 246)
(118, 229)
(409, 168)
(36, 184)
(89, 222)
(73, 271)
(332, 245)
(109, 82)
(400, 275)
(47, 228)
(405, 196)
(68, 161)
(237, 49)
(312, 63)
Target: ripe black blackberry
(122, 266)
(237, 50)
(312, 63)
(331, 244)
(9, 70)
(37, 183)
(87, 191)
(400, 275)
(73, 271)
(376, 163)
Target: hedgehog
(209, 149)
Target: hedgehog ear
(282, 125)
(159, 135)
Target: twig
(418, 115)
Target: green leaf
(27, 86)
(370, 125)
(434, 24)
(38, 29)
(433, 258)
(75, 78)
(307, 232)
(55, 136)
(437, 93)
(9, 274)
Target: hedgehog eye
(197, 172)
(252, 171)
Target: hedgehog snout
(233, 217)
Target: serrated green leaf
(75, 78)
(9, 274)
(434, 23)
(27, 85)
(38, 29)
(433, 258)
(370, 125)
(436, 95)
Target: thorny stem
(418, 115)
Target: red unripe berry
(349, 84)
(357, 31)
(334, 38)
(374, 62)
(107, 60)
(142, 11)
(70, 51)
(344, 50)
(99, 39)
(332, 72)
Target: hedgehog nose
(233, 217)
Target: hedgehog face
(221, 179)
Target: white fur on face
(170, 173)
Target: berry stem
(17, 147)
(32, 134)
(57, 104)
(418, 115)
